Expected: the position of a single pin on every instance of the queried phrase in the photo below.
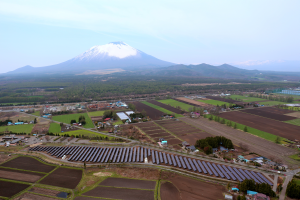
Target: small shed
(192, 148)
(185, 144)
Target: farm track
(255, 144)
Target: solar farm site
(95, 155)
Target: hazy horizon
(50, 32)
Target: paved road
(256, 144)
(275, 182)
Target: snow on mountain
(113, 49)
(114, 55)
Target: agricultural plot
(223, 99)
(45, 191)
(245, 98)
(170, 108)
(20, 175)
(63, 177)
(28, 163)
(34, 197)
(165, 111)
(169, 192)
(175, 103)
(67, 119)
(268, 114)
(152, 130)
(278, 128)
(294, 122)
(54, 128)
(36, 113)
(151, 112)
(129, 183)
(277, 110)
(25, 128)
(215, 102)
(96, 113)
(192, 102)
(9, 189)
(271, 103)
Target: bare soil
(20, 175)
(151, 112)
(192, 138)
(63, 177)
(8, 189)
(44, 191)
(281, 129)
(169, 192)
(268, 114)
(193, 189)
(192, 102)
(121, 193)
(138, 173)
(30, 196)
(129, 183)
(28, 163)
(170, 108)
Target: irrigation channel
(94, 155)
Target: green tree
(73, 121)
(245, 129)
(278, 140)
(35, 121)
(235, 126)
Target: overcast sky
(46, 32)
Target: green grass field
(36, 113)
(175, 103)
(54, 128)
(118, 122)
(253, 131)
(161, 109)
(271, 103)
(295, 157)
(245, 98)
(96, 113)
(85, 132)
(67, 119)
(26, 128)
(294, 122)
(215, 102)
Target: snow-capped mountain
(103, 57)
(270, 65)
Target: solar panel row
(137, 154)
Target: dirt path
(256, 144)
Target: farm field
(169, 192)
(26, 128)
(265, 113)
(151, 112)
(161, 109)
(192, 102)
(175, 103)
(278, 128)
(129, 183)
(222, 99)
(9, 189)
(215, 102)
(277, 111)
(254, 143)
(245, 98)
(54, 128)
(96, 113)
(67, 119)
(32, 196)
(63, 177)
(20, 175)
(36, 113)
(170, 108)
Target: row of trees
(293, 190)
(213, 142)
(287, 99)
(4, 123)
(263, 188)
(223, 121)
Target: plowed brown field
(271, 114)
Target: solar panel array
(138, 154)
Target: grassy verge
(161, 109)
(253, 131)
(295, 157)
(294, 122)
(36, 113)
(96, 113)
(26, 128)
(67, 119)
(175, 104)
(54, 128)
(215, 102)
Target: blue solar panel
(112, 154)
(244, 174)
(251, 176)
(264, 179)
(165, 158)
(142, 155)
(130, 154)
(174, 161)
(160, 157)
(197, 166)
(120, 154)
(78, 153)
(256, 176)
(228, 172)
(127, 154)
(235, 174)
(169, 159)
(239, 173)
(192, 164)
(134, 155)
(87, 154)
(92, 154)
(63, 152)
(70, 149)
(83, 153)
(107, 155)
(156, 158)
(124, 155)
(96, 154)
(153, 157)
(224, 172)
(138, 154)
(58, 151)
(187, 163)
(145, 152)
(115, 155)
(212, 169)
(207, 168)
(149, 152)
(178, 162)
(182, 162)
(103, 155)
